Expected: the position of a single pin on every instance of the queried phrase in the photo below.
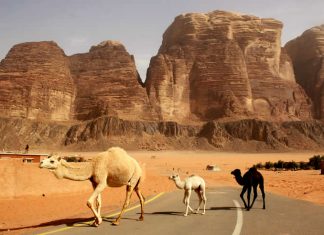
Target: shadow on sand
(79, 222)
(177, 213)
(67, 222)
(224, 208)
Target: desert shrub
(285, 165)
(268, 165)
(292, 165)
(258, 165)
(315, 161)
(279, 164)
(304, 166)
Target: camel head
(51, 162)
(174, 177)
(236, 172)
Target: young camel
(114, 168)
(193, 182)
(252, 178)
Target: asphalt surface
(224, 215)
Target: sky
(76, 25)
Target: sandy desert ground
(31, 197)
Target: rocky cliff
(222, 64)
(107, 83)
(38, 81)
(103, 132)
(219, 81)
(35, 82)
(307, 54)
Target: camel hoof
(141, 218)
(97, 222)
(115, 223)
(203, 213)
(185, 215)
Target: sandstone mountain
(35, 83)
(107, 83)
(223, 64)
(219, 81)
(307, 54)
(38, 81)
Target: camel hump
(253, 170)
(116, 150)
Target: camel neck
(180, 184)
(77, 172)
(239, 179)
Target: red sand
(31, 197)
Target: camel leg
(129, 191)
(90, 203)
(242, 195)
(99, 204)
(263, 194)
(205, 200)
(187, 200)
(248, 197)
(200, 199)
(141, 198)
(255, 194)
(98, 199)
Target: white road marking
(239, 219)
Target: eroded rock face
(38, 81)
(223, 64)
(35, 82)
(307, 54)
(107, 83)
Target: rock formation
(219, 81)
(107, 83)
(35, 82)
(222, 64)
(307, 54)
(38, 81)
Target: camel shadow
(176, 213)
(68, 222)
(112, 219)
(232, 208)
(79, 222)
(222, 208)
(89, 222)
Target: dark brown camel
(252, 178)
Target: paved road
(164, 216)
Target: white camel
(114, 168)
(193, 182)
